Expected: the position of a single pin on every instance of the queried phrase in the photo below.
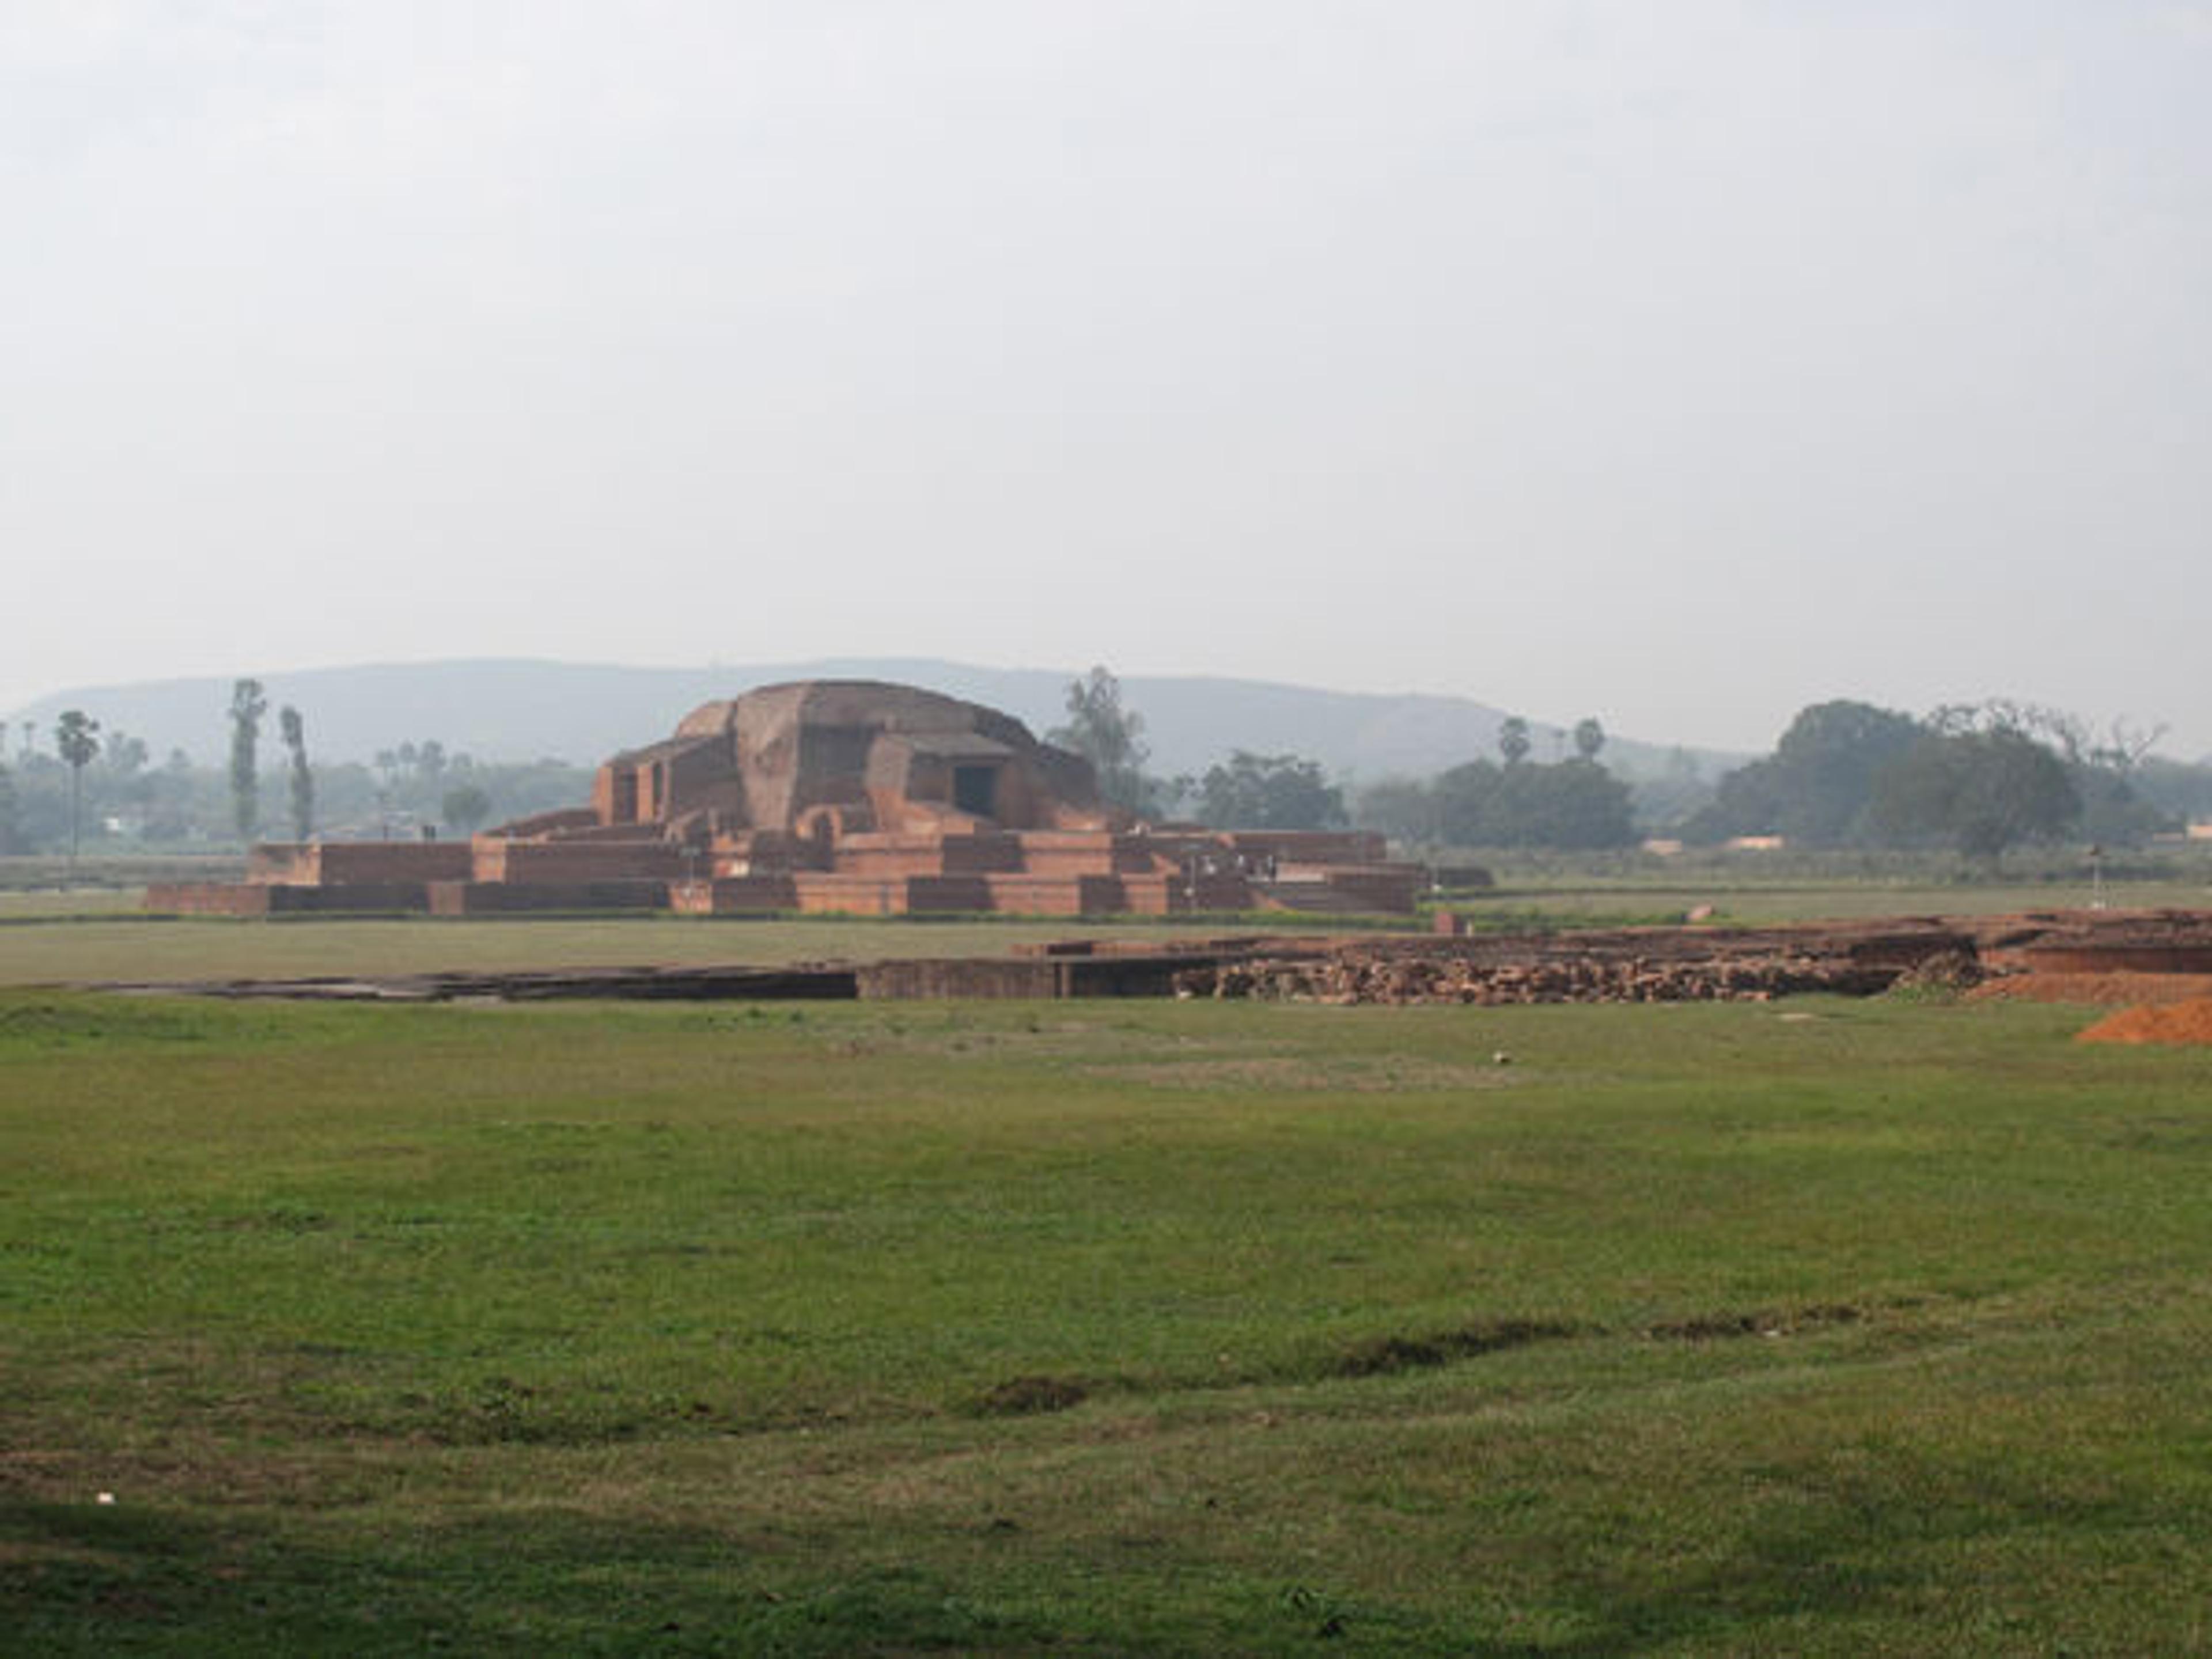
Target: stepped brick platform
(838, 797)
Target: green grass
(62, 902)
(1804, 884)
(1604, 903)
(1110, 1328)
(82, 951)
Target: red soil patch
(2176, 1022)
(2111, 989)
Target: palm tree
(76, 740)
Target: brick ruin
(2138, 958)
(848, 797)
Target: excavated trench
(2028, 955)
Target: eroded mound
(2119, 989)
(2175, 1022)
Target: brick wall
(858, 896)
(1390, 890)
(578, 861)
(213, 898)
(882, 857)
(279, 860)
(1311, 846)
(1082, 852)
(983, 854)
(209, 898)
(1148, 895)
(334, 863)
(1056, 895)
(481, 898)
(940, 894)
(727, 896)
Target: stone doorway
(975, 790)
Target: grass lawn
(81, 950)
(1100, 1327)
(1757, 902)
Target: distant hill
(518, 710)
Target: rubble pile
(1353, 977)
(1619, 966)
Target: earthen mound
(2176, 1021)
(2117, 989)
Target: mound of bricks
(1620, 966)
(1350, 980)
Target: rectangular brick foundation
(1057, 896)
(356, 863)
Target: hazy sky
(1677, 363)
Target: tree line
(87, 784)
(1513, 801)
(1976, 778)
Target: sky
(1678, 364)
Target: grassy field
(1568, 902)
(1100, 1327)
(49, 952)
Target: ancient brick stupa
(834, 758)
(849, 796)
